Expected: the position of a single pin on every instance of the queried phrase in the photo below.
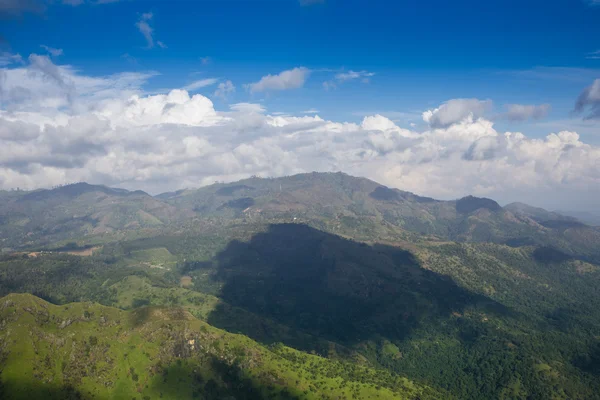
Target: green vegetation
(84, 350)
(311, 286)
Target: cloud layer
(59, 126)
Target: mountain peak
(76, 189)
(470, 203)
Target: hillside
(69, 212)
(84, 350)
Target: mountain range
(318, 285)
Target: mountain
(455, 299)
(586, 217)
(361, 208)
(69, 212)
(334, 202)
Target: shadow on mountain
(29, 390)
(334, 288)
(590, 361)
(546, 255)
(214, 380)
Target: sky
(498, 99)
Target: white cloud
(589, 100)
(311, 111)
(9, 58)
(43, 85)
(200, 84)
(456, 110)
(521, 112)
(350, 75)
(289, 79)
(112, 133)
(147, 30)
(224, 89)
(53, 52)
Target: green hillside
(87, 351)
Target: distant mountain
(73, 211)
(586, 217)
(334, 202)
(539, 214)
(359, 207)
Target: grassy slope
(92, 351)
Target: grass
(92, 351)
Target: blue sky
(422, 53)
(492, 98)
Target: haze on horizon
(412, 99)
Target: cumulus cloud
(521, 112)
(115, 134)
(589, 100)
(456, 110)
(289, 79)
(224, 89)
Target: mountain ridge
(334, 202)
